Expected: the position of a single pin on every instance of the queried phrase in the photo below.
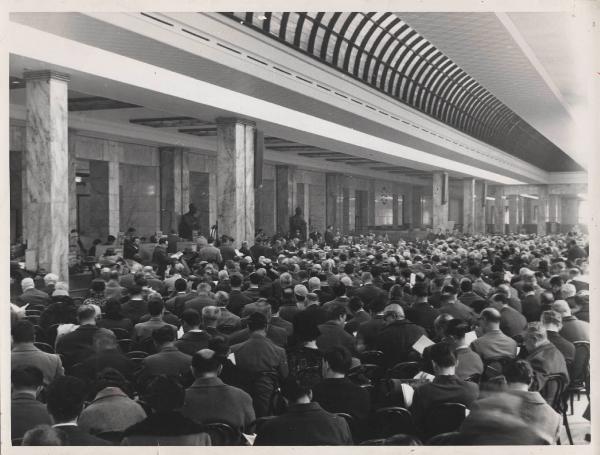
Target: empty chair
(580, 372)
(556, 388)
(444, 418)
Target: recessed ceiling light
(262, 18)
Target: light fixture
(490, 198)
(78, 179)
(262, 17)
(529, 196)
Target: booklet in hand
(421, 344)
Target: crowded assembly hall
(298, 229)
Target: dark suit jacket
(396, 339)
(532, 307)
(288, 312)
(369, 293)
(304, 425)
(512, 322)
(77, 437)
(32, 297)
(237, 300)
(110, 359)
(134, 310)
(26, 413)
(259, 354)
(169, 361)
(575, 330)
(332, 334)
(210, 400)
(283, 324)
(422, 314)
(276, 334)
(166, 429)
(566, 348)
(353, 324)
(76, 346)
(443, 389)
(546, 360)
(192, 342)
(342, 395)
(320, 316)
(368, 331)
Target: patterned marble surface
(47, 173)
(468, 220)
(439, 208)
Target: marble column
(407, 206)
(468, 221)
(334, 188)
(513, 213)
(542, 204)
(235, 179)
(479, 216)
(555, 214)
(499, 203)
(285, 188)
(171, 188)
(417, 207)
(395, 212)
(372, 198)
(441, 197)
(113, 155)
(346, 211)
(46, 210)
(72, 183)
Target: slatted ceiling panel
(320, 154)
(382, 50)
(169, 122)
(94, 103)
(15, 83)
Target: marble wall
(139, 198)
(93, 204)
(200, 197)
(264, 203)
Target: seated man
(108, 355)
(469, 362)
(77, 345)
(44, 435)
(111, 409)
(26, 411)
(166, 425)
(493, 343)
(336, 393)
(208, 399)
(572, 328)
(397, 337)
(552, 322)
(446, 386)
(65, 398)
(193, 338)
(304, 423)
(512, 322)
(31, 296)
(545, 359)
(156, 309)
(24, 353)
(168, 359)
(332, 331)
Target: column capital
(224, 121)
(46, 74)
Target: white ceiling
(532, 62)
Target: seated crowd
(460, 340)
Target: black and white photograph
(354, 224)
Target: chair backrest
(580, 370)
(44, 347)
(404, 370)
(390, 421)
(553, 391)
(125, 345)
(349, 420)
(371, 357)
(137, 354)
(223, 434)
(444, 418)
(474, 378)
(493, 367)
(367, 373)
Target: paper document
(421, 344)
(231, 357)
(470, 337)
(426, 376)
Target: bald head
(490, 319)
(561, 307)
